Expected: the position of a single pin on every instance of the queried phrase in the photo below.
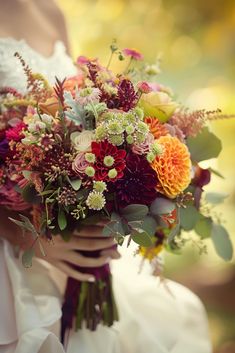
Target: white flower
(82, 140)
(47, 119)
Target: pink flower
(82, 60)
(143, 148)
(134, 54)
(15, 133)
(144, 87)
(80, 163)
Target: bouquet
(109, 146)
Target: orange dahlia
(156, 128)
(173, 167)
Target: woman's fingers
(84, 261)
(89, 244)
(89, 231)
(114, 254)
(69, 271)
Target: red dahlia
(108, 171)
(138, 184)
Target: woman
(153, 319)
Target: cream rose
(82, 140)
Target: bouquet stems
(89, 304)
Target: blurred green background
(196, 39)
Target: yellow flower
(158, 105)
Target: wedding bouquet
(108, 146)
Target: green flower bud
(130, 139)
(90, 171)
(99, 186)
(112, 173)
(150, 157)
(108, 161)
(90, 157)
(130, 129)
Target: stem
(110, 59)
(128, 66)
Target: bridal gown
(154, 317)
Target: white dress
(153, 319)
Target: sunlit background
(196, 40)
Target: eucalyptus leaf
(222, 242)
(188, 217)
(62, 221)
(110, 229)
(27, 258)
(135, 212)
(76, 183)
(149, 225)
(204, 146)
(173, 232)
(162, 206)
(203, 226)
(141, 238)
(215, 197)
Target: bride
(154, 317)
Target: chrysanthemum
(173, 167)
(156, 128)
(138, 185)
(110, 161)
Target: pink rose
(143, 148)
(80, 163)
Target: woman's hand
(62, 254)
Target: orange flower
(173, 167)
(71, 83)
(156, 128)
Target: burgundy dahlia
(108, 171)
(16, 133)
(138, 184)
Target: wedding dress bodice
(59, 64)
(152, 318)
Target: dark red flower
(15, 133)
(138, 184)
(127, 97)
(102, 170)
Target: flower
(158, 105)
(82, 60)
(190, 123)
(144, 87)
(156, 128)
(88, 95)
(127, 97)
(95, 200)
(15, 133)
(134, 54)
(70, 84)
(138, 185)
(82, 140)
(101, 150)
(144, 147)
(173, 167)
(50, 106)
(80, 163)
(4, 148)
(99, 186)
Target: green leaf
(110, 229)
(30, 195)
(76, 184)
(149, 225)
(204, 146)
(62, 221)
(121, 226)
(135, 212)
(141, 238)
(203, 226)
(218, 174)
(162, 206)
(222, 242)
(173, 232)
(215, 197)
(188, 217)
(27, 258)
